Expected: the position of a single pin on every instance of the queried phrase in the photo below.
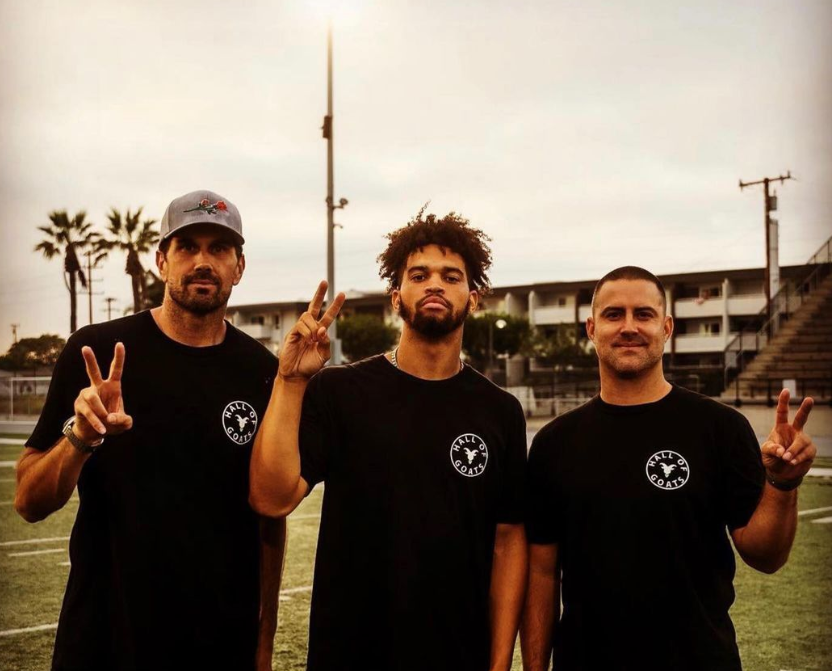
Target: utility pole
(330, 199)
(90, 292)
(109, 302)
(14, 332)
(772, 276)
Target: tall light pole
(330, 198)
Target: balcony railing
(742, 349)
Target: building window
(258, 319)
(561, 301)
(710, 328)
(713, 291)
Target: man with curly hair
(421, 559)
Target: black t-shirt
(165, 550)
(638, 499)
(418, 474)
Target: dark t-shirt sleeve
(68, 378)
(513, 480)
(744, 474)
(316, 433)
(541, 509)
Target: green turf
(783, 621)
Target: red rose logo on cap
(206, 206)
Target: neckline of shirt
(638, 408)
(399, 371)
(189, 349)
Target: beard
(433, 326)
(629, 368)
(197, 300)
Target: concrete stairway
(802, 350)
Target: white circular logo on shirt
(469, 455)
(667, 470)
(239, 421)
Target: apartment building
(709, 308)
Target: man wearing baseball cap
(170, 566)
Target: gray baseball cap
(201, 207)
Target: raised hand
(99, 408)
(307, 348)
(788, 452)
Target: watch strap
(79, 443)
(784, 485)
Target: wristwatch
(78, 443)
(784, 485)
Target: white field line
(27, 541)
(45, 627)
(13, 441)
(26, 630)
(822, 520)
(8, 480)
(29, 553)
(297, 590)
(8, 464)
(65, 563)
(304, 517)
(815, 510)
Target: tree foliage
(364, 335)
(32, 353)
(134, 237)
(513, 338)
(69, 238)
(154, 290)
(560, 347)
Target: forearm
(508, 587)
(542, 608)
(272, 552)
(765, 542)
(540, 616)
(46, 480)
(275, 458)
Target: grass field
(783, 621)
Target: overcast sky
(580, 135)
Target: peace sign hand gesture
(788, 452)
(307, 348)
(99, 408)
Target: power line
(772, 237)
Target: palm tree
(68, 237)
(134, 237)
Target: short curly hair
(453, 232)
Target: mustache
(433, 297)
(629, 342)
(201, 276)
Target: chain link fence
(22, 398)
